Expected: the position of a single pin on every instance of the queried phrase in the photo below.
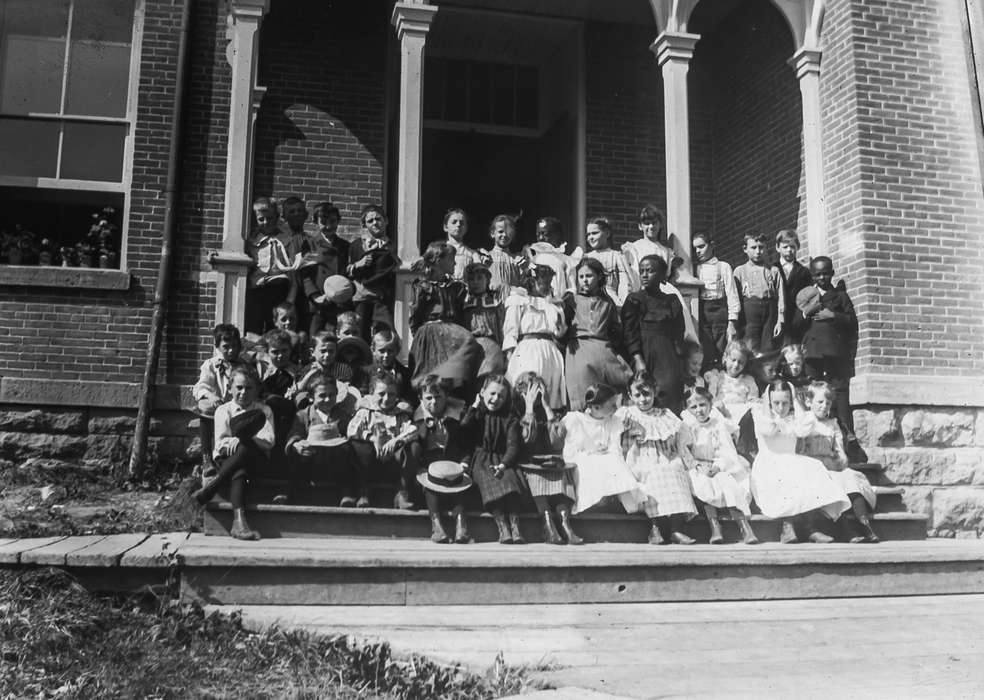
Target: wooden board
(11, 552)
(55, 553)
(157, 551)
(105, 552)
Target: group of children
(568, 380)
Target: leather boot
(869, 534)
(240, 528)
(505, 537)
(677, 535)
(567, 527)
(550, 534)
(655, 536)
(747, 533)
(788, 535)
(437, 530)
(517, 536)
(461, 535)
(716, 536)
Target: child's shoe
(517, 536)
(281, 498)
(817, 537)
(788, 535)
(461, 535)
(565, 525)
(747, 533)
(240, 528)
(402, 501)
(679, 538)
(438, 534)
(869, 534)
(550, 534)
(505, 537)
(347, 502)
(655, 536)
(363, 501)
(716, 536)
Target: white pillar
(673, 52)
(242, 53)
(806, 62)
(412, 22)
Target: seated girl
(719, 478)
(654, 456)
(732, 389)
(795, 489)
(243, 439)
(821, 438)
(549, 477)
(594, 444)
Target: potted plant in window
(102, 237)
(18, 246)
(46, 255)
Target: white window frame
(129, 119)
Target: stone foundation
(937, 454)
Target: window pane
(481, 93)
(527, 109)
(433, 88)
(99, 58)
(93, 152)
(28, 148)
(32, 34)
(456, 95)
(503, 95)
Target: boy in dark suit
(372, 266)
(795, 277)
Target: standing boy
(331, 253)
(795, 277)
(372, 265)
(718, 302)
(762, 300)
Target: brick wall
(321, 126)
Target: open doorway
(501, 120)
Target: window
(477, 94)
(67, 108)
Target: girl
(790, 370)
(441, 343)
(599, 239)
(732, 390)
(693, 361)
(483, 316)
(533, 326)
(243, 439)
(787, 486)
(456, 227)
(490, 425)
(654, 330)
(548, 476)
(594, 445)
(718, 476)
(550, 249)
(384, 424)
(821, 438)
(654, 457)
(594, 332)
(654, 241)
(506, 272)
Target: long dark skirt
(491, 487)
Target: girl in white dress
(787, 486)
(594, 444)
(533, 326)
(719, 478)
(821, 437)
(733, 391)
(599, 238)
(654, 456)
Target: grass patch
(58, 640)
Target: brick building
(858, 122)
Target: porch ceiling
(620, 11)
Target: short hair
(597, 394)
(382, 376)
(787, 235)
(644, 380)
(510, 222)
(473, 267)
(454, 210)
(652, 213)
(244, 372)
(368, 209)
(820, 388)
(822, 259)
(691, 348)
(323, 210)
(325, 380)
(348, 319)
(325, 336)
(228, 333)
(552, 225)
(432, 384)
(276, 337)
(661, 267)
(387, 336)
(266, 203)
(697, 391)
(757, 237)
(284, 306)
(294, 199)
(736, 347)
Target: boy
(385, 350)
(285, 319)
(332, 254)
(214, 386)
(456, 226)
(830, 339)
(295, 215)
(349, 325)
(718, 302)
(272, 280)
(317, 439)
(278, 379)
(795, 277)
(372, 265)
(325, 364)
(763, 302)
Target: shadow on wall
(321, 125)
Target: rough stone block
(877, 428)
(36, 420)
(106, 450)
(923, 465)
(958, 508)
(20, 446)
(979, 429)
(115, 422)
(919, 499)
(938, 428)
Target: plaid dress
(496, 437)
(539, 438)
(655, 462)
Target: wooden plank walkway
(869, 647)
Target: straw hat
(445, 476)
(808, 300)
(325, 435)
(338, 290)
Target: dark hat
(354, 344)
(808, 300)
(247, 424)
(477, 267)
(445, 476)
(544, 463)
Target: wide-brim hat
(808, 299)
(247, 424)
(544, 463)
(352, 343)
(324, 436)
(337, 289)
(445, 476)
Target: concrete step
(359, 571)
(276, 521)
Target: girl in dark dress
(489, 424)
(653, 326)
